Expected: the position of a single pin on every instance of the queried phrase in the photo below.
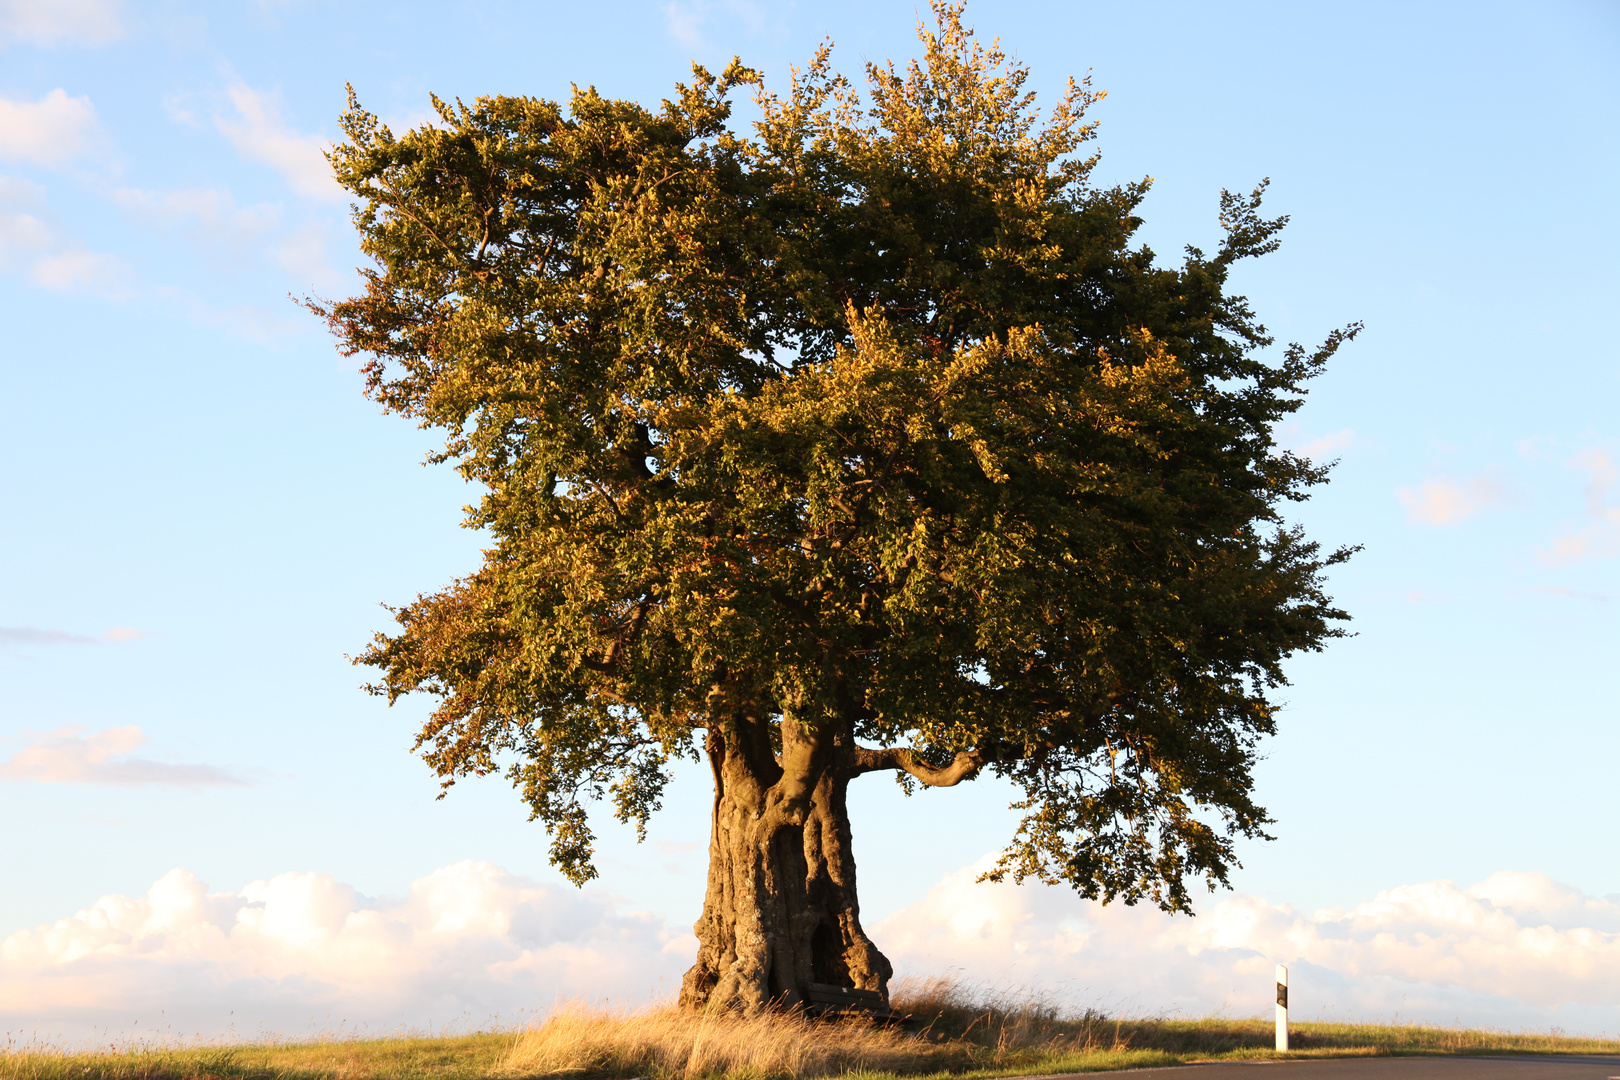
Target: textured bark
(780, 912)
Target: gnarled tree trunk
(780, 912)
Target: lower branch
(964, 766)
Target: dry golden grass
(672, 1042)
(948, 1030)
(952, 1031)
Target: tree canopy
(872, 431)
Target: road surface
(1561, 1067)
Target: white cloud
(28, 241)
(208, 217)
(31, 635)
(258, 132)
(66, 756)
(54, 22)
(93, 272)
(682, 21)
(469, 941)
(22, 233)
(1536, 446)
(1516, 949)
(1561, 591)
(1439, 501)
(239, 237)
(53, 131)
(1600, 537)
(250, 321)
(246, 237)
(210, 222)
(21, 229)
(685, 19)
(304, 253)
(1327, 445)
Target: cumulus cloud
(61, 22)
(471, 942)
(67, 756)
(53, 131)
(255, 127)
(468, 942)
(1517, 949)
(1439, 501)
(1600, 537)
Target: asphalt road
(1562, 1067)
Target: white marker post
(1282, 1008)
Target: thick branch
(962, 767)
(623, 634)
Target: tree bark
(780, 911)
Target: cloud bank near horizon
(303, 952)
(1517, 950)
(471, 944)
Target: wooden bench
(826, 998)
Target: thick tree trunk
(780, 912)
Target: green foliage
(874, 420)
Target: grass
(953, 1032)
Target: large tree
(864, 442)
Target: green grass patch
(951, 1034)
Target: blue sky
(201, 512)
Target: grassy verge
(951, 1034)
